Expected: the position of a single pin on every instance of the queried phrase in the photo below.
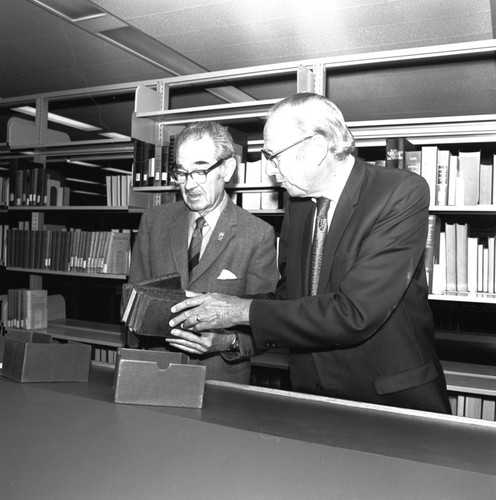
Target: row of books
(251, 173)
(37, 186)
(69, 250)
(473, 406)
(458, 262)
(104, 355)
(259, 200)
(454, 180)
(151, 163)
(25, 308)
(120, 192)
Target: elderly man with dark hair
(215, 245)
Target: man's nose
(270, 168)
(190, 182)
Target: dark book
(151, 164)
(138, 163)
(396, 147)
(164, 166)
(31, 249)
(413, 161)
(12, 182)
(148, 305)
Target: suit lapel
(342, 215)
(222, 233)
(306, 243)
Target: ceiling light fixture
(82, 163)
(117, 170)
(61, 120)
(83, 181)
(86, 192)
(115, 136)
(74, 10)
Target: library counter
(71, 441)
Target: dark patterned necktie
(319, 237)
(195, 244)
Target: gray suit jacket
(240, 243)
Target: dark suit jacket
(369, 334)
(240, 243)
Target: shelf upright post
(310, 79)
(41, 126)
(162, 139)
(41, 119)
(305, 79)
(319, 78)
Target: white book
(480, 266)
(488, 409)
(253, 174)
(493, 196)
(461, 233)
(450, 257)
(251, 201)
(429, 169)
(452, 179)
(485, 184)
(472, 263)
(442, 177)
(485, 269)
(490, 264)
(470, 171)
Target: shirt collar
(212, 217)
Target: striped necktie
(319, 237)
(195, 244)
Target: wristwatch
(234, 345)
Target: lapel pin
(221, 236)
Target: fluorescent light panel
(115, 136)
(61, 120)
(117, 170)
(83, 181)
(75, 10)
(86, 192)
(82, 163)
(152, 50)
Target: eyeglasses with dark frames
(272, 157)
(199, 176)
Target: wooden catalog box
(158, 378)
(33, 357)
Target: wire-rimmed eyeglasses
(199, 176)
(272, 157)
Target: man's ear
(228, 169)
(317, 150)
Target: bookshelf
(160, 110)
(430, 115)
(82, 159)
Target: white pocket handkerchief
(225, 274)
